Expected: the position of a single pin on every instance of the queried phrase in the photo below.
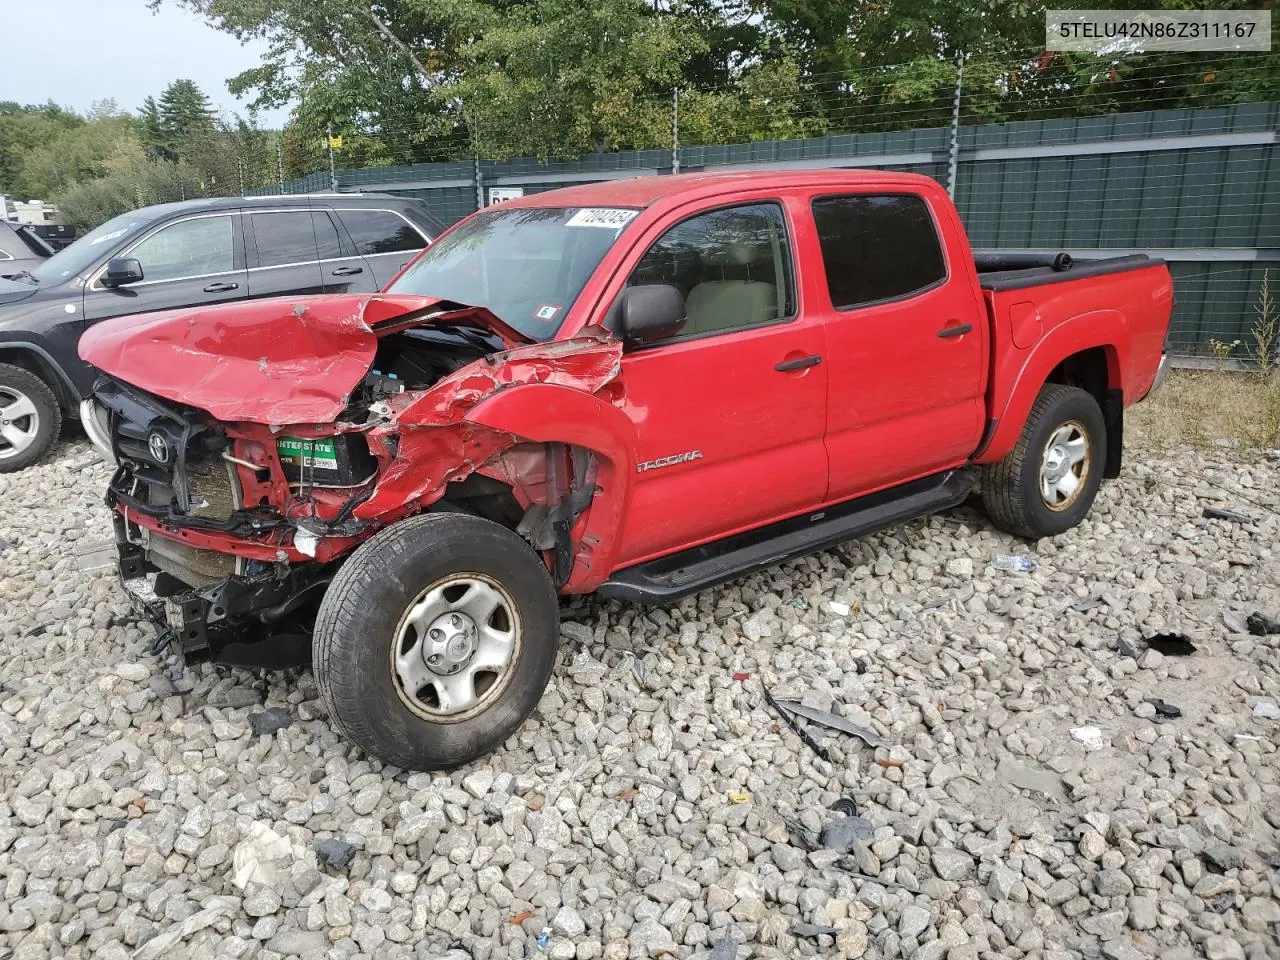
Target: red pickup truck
(637, 388)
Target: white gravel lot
(644, 811)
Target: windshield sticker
(607, 217)
(546, 313)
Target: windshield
(73, 260)
(527, 265)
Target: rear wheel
(30, 418)
(435, 640)
(1048, 482)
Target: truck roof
(643, 191)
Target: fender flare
(1106, 329)
(546, 413)
(65, 389)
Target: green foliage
(109, 161)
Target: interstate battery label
(317, 454)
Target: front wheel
(435, 640)
(1048, 482)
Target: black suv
(195, 253)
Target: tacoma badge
(670, 461)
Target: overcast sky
(78, 51)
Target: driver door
(729, 412)
(191, 262)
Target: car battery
(341, 461)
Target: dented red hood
(293, 360)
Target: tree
(184, 112)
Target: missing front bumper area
(260, 619)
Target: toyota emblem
(159, 448)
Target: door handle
(221, 287)
(787, 365)
(347, 271)
(959, 330)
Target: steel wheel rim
(1064, 465)
(454, 648)
(19, 422)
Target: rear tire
(1048, 482)
(435, 641)
(30, 418)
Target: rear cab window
(877, 248)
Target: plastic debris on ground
(811, 930)
(1164, 711)
(741, 675)
(841, 833)
(795, 728)
(269, 721)
(1266, 710)
(335, 854)
(1261, 625)
(261, 857)
(742, 797)
(840, 609)
(1231, 516)
(846, 806)
(1014, 563)
(1170, 644)
(828, 719)
(543, 937)
(1091, 737)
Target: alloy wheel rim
(455, 646)
(19, 422)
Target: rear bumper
(1162, 371)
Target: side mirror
(121, 270)
(650, 312)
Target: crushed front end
(210, 562)
(242, 483)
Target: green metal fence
(1200, 188)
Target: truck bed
(999, 271)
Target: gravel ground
(655, 805)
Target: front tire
(1047, 483)
(435, 640)
(30, 418)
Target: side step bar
(669, 578)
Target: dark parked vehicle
(190, 254)
(21, 247)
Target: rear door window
(284, 238)
(380, 231)
(877, 248)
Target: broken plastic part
(1164, 711)
(335, 854)
(1171, 644)
(1232, 516)
(1260, 625)
(828, 719)
(798, 730)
